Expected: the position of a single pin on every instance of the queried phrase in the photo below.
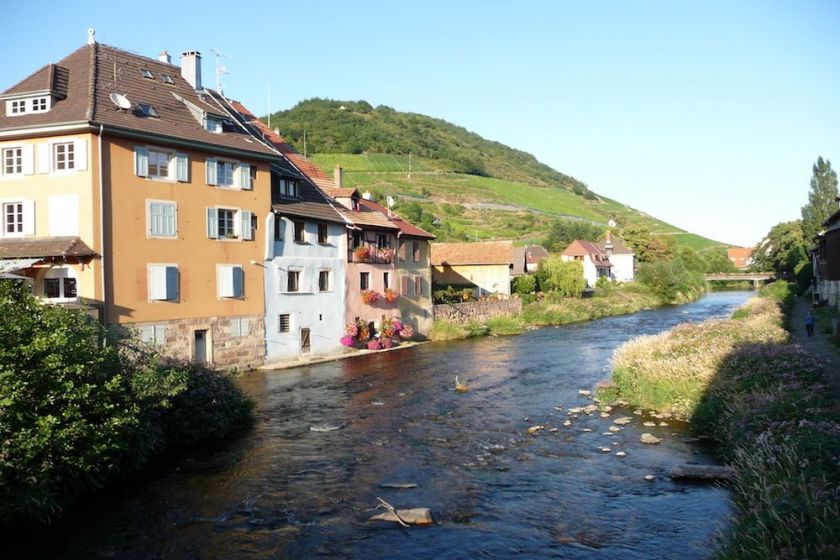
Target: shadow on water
(301, 483)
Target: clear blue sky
(706, 114)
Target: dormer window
(147, 110)
(147, 74)
(213, 124)
(15, 107)
(288, 187)
(167, 79)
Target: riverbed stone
(663, 424)
(650, 477)
(649, 424)
(614, 429)
(606, 450)
(605, 415)
(590, 408)
(650, 439)
(584, 392)
(621, 454)
(622, 420)
(567, 423)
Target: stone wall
(477, 310)
(235, 343)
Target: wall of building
(415, 309)
(321, 312)
(354, 305)
(622, 270)
(491, 278)
(131, 249)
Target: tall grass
(768, 406)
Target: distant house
(486, 265)
(622, 258)
(827, 263)
(741, 257)
(533, 255)
(596, 263)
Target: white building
(596, 263)
(623, 259)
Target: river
(282, 490)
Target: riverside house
(126, 186)
(596, 263)
(486, 265)
(826, 258)
(622, 258)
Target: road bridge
(755, 277)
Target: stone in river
(584, 392)
(649, 424)
(622, 420)
(663, 424)
(614, 428)
(649, 438)
(649, 477)
(605, 415)
(621, 454)
(606, 450)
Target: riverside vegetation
(767, 405)
(79, 407)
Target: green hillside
(455, 183)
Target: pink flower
(347, 340)
(373, 345)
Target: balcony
(367, 254)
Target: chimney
(608, 244)
(338, 178)
(191, 68)
(164, 57)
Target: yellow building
(129, 188)
(486, 265)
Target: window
(278, 228)
(156, 163)
(39, 105)
(230, 223)
(153, 334)
(13, 218)
(386, 280)
(147, 74)
(23, 106)
(231, 174)
(415, 251)
(402, 250)
(288, 187)
(64, 156)
(300, 232)
(167, 79)
(163, 282)
(293, 281)
(284, 322)
(383, 240)
(60, 284)
(162, 218)
(231, 281)
(146, 110)
(213, 124)
(239, 327)
(12, 161)
(404, 285)
(323, 235)
(324, 280)
(17, 107)
(418, 285)
(364, 280)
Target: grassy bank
(767, 405)
(552, 309)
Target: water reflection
(285, 491)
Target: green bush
(670, 280)
(525, 284)
(77, 409)
(563, 277)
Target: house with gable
(128, 187)
(826, 259)
(622, 258)
(741, 257)
(304, 265)
(596, 263)
(487, 265)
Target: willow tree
(821, 200)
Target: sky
(706, 114)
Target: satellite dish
(390, 201)
(121, 101)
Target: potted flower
(370, 296)
(362, 253)
(364, 332)
(391, 295)
(373, 344)
(351, 330)
(387, 342)
(347, 340)
(398, 326)
(384, 255)
(387, 329)
(406, 332)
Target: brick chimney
(164, 57)
(191, 68)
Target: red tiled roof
(535, 253)
(44, 247)
(406, 228)
(581, 248)
(483, 252)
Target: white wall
(622, 270)
(321, 312)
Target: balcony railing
(365, 254)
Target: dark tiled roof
(366, 216)
(535, 253)
(44, 247)
(484, 252)
(93, 72)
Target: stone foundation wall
(477, 310)
(235, 343)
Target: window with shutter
(141, 161)
(404, 286)
(418, 285)
(163, 282)
(231, 281)
(162, 218)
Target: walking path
(818, 345)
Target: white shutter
(80, 155)
(182, 172)
(28, 217)
(210, 171)
(245, 176)
(44, 157)
(246, 233)
(147, 334)
(160, 334)
(225, 281)
(212, 223)
(141, 161)
(27, 152)
(157, 283)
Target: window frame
(299, 231)
(415, 251)
(324, 280)
(170, 276)
(323, 233)
(16, 165)
(281, 322)
(293, 280)
(150, 219)
(364, 280)
(69, 155)
(17, 213)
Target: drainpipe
(102, 227)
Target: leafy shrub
(669, 280)
(563, 277)
(525, 284)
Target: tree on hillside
(563, 232)
(718, 261)
(821, 199)
(647, 247)
(782, 250)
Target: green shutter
(211, 171)
(141, 161)
(247, 234)
(212, 223)
(182, 171)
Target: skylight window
(147, 110)
(167, 79)
(147, 74)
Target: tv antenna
(221, 69)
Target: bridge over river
(755, 277)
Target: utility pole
(409, 164)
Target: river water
(283, 490)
